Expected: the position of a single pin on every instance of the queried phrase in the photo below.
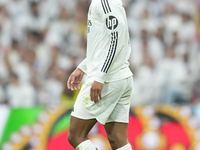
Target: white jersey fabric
(108, 47)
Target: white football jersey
(108, 47)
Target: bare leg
(79, 129)
(117, 134)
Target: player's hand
(95, 91)
(74, 80)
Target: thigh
(80, 128)
(121, 111)
(84, 108)
(117, 134)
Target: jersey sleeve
(114, 28)
(83, 65)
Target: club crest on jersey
(111, 22)
(89, 23)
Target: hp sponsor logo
(111, 22)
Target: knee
(71, 138)
(117, 141)
(75, 139)
(113, 142)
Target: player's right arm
(75, 78)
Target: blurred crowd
(42, 42)
(165, 59)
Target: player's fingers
(75, 86)
(99, 95)
(95, 96)
(79, 86)
(91, 95)
(72, 85)
(69, 83)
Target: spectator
(52, 90)
(178, 89)
(20, 94)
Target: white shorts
(113, 107)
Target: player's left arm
(115, 28)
